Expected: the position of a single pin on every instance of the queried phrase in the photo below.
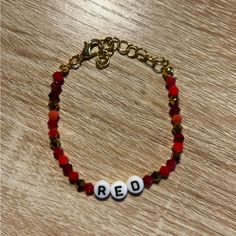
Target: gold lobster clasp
(101, 54)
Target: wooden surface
(114, 123)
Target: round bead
(119, 190)
(67, 169)
(177, 129)
(156, 177)
(102, 189)
(58, 151)
(54, 96)
(63, 160)
(174, 110)
(178, 147)
(168, 71)
(173, 101)
(170, 80)
(52, 105)
(178, 138)
(56, 88)
(173, 91)
(54, 143)
(165, 171)
(52, 124)
(148, 181)
(73, 177)
(135, 185)
(53, 133)
(171, 163)
(88, 188)
(58, 77)
(53, 115)
(176, 119)
(80, 185)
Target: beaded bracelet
(102, 50)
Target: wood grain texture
(114, 123)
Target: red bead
(58, 77)
(170, 81)
(67, 169)
(53, 133)
(88, 188)
(178, 138)
(56, 87)
(171, 163)
(174, 110)
(176, 119)
(178, 147)
(53, 115)
(173, 91)
(52, 124)
(165, 171)
(73, 177)
(63, 160)
(148, 181)
(58, 151)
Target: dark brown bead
(156, 177)
(176, 156)
(173, 101)
(178, 138)
(80, 185)
(52, 105)
(54, 142)
(177, 129)
(174, 110)
(54, 96)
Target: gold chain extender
(103, 49)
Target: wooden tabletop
(114, 122)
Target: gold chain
(103, 49)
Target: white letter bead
(135, 184)
(118, 190)
(102, 189)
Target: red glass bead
(52, 124)
(178, 147)
(53, 133)
(178, 138)
(88, 188)
(170, 81)
(57, 90)
(63, 160)
(55, 85)
(173, 91)
(53, 115)
(176, 119)
(174, 110)
(73, 177)
(58, 151)
(58, 77)
(165, 171)
(148, 181)
(171, 163)
(67, 169)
